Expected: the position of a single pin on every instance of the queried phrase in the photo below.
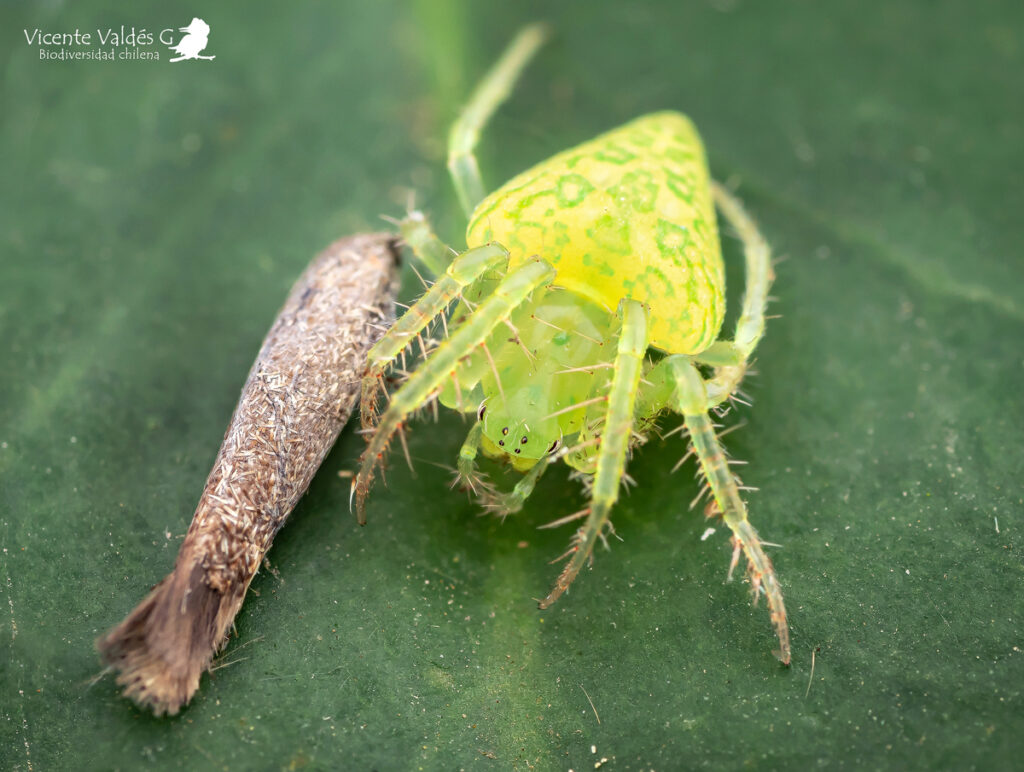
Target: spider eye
(522, 441)
(481, 410)
(555, 446)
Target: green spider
(574, 270)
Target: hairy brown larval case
(298, 396)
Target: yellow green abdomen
(626, 215)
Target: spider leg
(463, 271)
(750, 326)
(423, 384)
(488, 96)
(689, 397)
(466, 473)
(615, 437)
(503, 504)
(417, 234)
(675, 382)
(757, 253)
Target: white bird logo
(198, 32)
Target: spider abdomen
(626, 215)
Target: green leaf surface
(153, 217)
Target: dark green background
(153, 217)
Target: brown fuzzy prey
(298, 396)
